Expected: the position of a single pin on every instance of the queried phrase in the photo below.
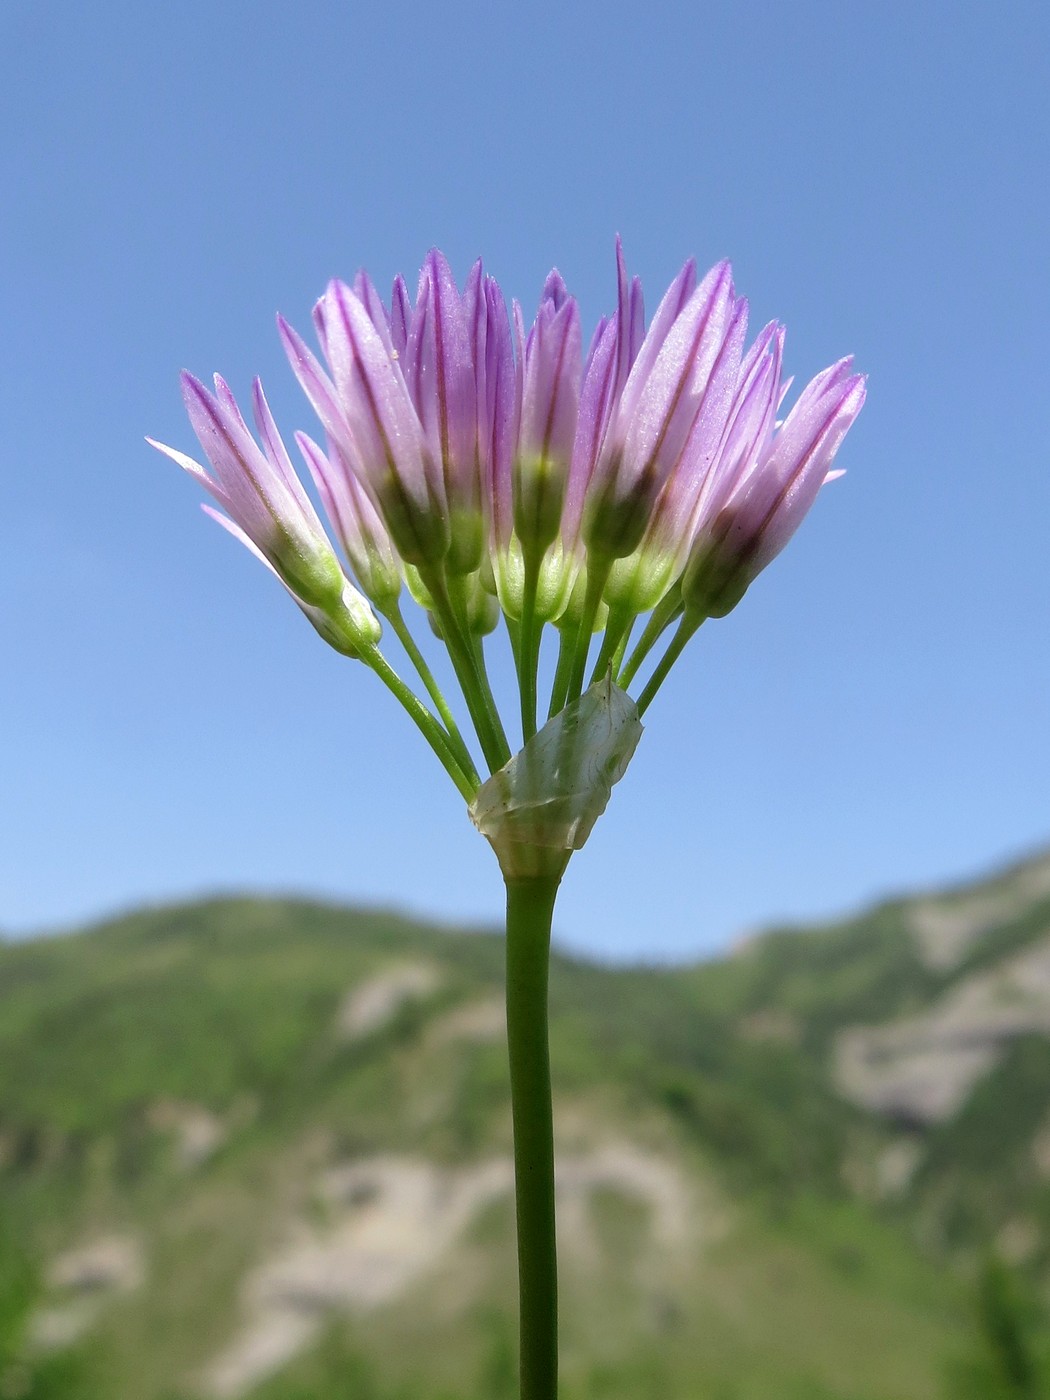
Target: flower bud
(260, 490)
(771, 495)
(549, 410)
(684, 375)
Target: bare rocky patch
(81, 1282)
(196, 1132)
(480, 1022)
(373, 1004)
(921, 1069)
(389, 1221)
(948, 928)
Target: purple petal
(671, 527)
(194, 469)
(671, 307)
(400, 316)
(277, 453)
(800, 459)
(354, 518)
(596, 404)
(445, 389)
(370, 299)
(503, 403)
(243, 473)
(315, 383)
(550, 401)
(695, 372)
(751, 421)
(384, 427)
(554, 291)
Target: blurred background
(253, 1129)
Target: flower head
(492, 468)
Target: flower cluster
(497, 471)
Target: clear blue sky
(873, 716)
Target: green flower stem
(471, 675)
(427, 724)
(614, 641)
(514, 636)
(528, 653)
(566, 652)
(476, 646)
(404, 636)
(663, 615)
(688, 625)
(530, 907)
(621, 649)
(598, 570)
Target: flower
(259, 489)
(494, 468)
(674, 402)
(270, 512)
(765, 480)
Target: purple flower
(550, 401)
(490, 467)
(678, 392)
(260, 490)
(358, 527)
(766, 480)
(439, 365)
(366, 408)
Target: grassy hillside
(261, 1148)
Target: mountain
(260, 1148)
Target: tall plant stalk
(530, 908)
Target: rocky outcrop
(920, 1069)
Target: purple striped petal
(693, 373)
(261, 492)
(779, 498)
(355, 521)
(750, 425)
(675, 300)
(503, 385)
(364, 289)
(315, 383)
(277, 453)
(549, 414)
(386, 438)
(400, 316)
(597, 399)
(554, 291)
(256, 496)
(444, 385)
(773, 494)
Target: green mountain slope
(261, 1148)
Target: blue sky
(872, 717)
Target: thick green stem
(530, 907)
